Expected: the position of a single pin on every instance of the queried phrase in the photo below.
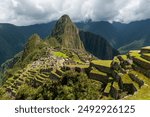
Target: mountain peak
(65, 18)
(67, 34)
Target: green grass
(147, 48)
(60, 54)
(142, 59)
(106, 63)
(107, 89)
(124, 57)
(79, 66)
(76, 58)
(144, 92)
(147, 54)
(116, 59)
(126, 79)
(134, 53)
(95, 71)
(115, 85)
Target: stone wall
(114, 93)
(129, 87)
(146, 57)
(98, 77)
(136, 79)
(102, 68)
(141, 63)
(141, 70)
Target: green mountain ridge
(50, 69)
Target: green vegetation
(106, 63)
(60, 54)
(124, 57)
(141, 59)
(66, 34)
(131, 46)
(95, 71)
(71, 86)
(77, 86)
(134, 53)
(144, 92)
(60, 68)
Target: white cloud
(25, 12)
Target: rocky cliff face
(67, 34)
(97, 45)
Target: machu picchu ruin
(59, 68)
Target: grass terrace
(95, 71)
(106, 63)
(134, 53)
(107, 89)
(144, 92)
(126, 79)
(60, 54)
(142, 59)
(124, 57)
(79, 66)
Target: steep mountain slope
(67, 34)
(102, 28)
(13, 38)
(136, 34)
(11, 41)
(97, 45)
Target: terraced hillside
(50, 67)
(124, 77)
(127, 75)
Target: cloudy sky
(26, 12)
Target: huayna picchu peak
(67, 34)
(67, 65)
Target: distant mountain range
(62, 66)
(123, 37)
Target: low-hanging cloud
(26, 12)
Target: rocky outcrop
(67, 34)
(97, 45)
